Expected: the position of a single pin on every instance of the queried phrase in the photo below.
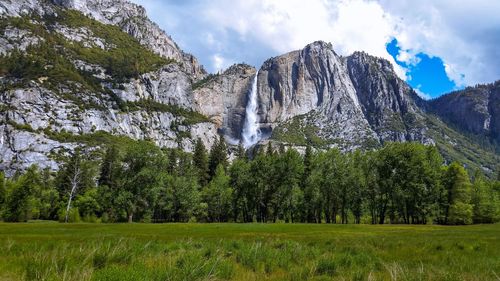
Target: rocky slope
(83, 73)
(70, 96)
(475, 110)
(313, 96)
(346, 101)
(129, 17)
(223, 98)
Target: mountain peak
(308, 96)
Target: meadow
(57, 251)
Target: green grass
(53, 251)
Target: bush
(74, 215)
(460, 213)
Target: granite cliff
(81, 73)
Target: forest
(400, 183)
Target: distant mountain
(85, 73)
(475, 111)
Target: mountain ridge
(310, 96)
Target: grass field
(54, 251)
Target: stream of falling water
(251, 132)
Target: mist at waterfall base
(251, 133)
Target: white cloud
(422, 94)
(220, 63)
(464, 34)
(286, 25)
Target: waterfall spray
(251, 132)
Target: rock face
(40, 122)
(389, 105)
(306, 97)
(223, 98)
(132, 19)
(475, 110)
(356, 98)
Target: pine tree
(282, 149)
(172, 161)
(307, 162)
(200, 161)
(218, 156)
(3, 191)
(241, 153)
(110, 167)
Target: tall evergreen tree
(308, 155)
(218, 156)
(241, 153)
(172, 161)
(110, 167)
(3, 191)
(270, 150)
(200, 161)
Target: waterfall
(251, 132)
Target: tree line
(406, 183)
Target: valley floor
(55, 251)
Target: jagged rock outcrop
(355, 99)
(16, 8)
(133, 19)
(130, 17)
(168, 85)
(301, 81)
(389, 105)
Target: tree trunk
(74, 185)
(68, 208)
(130, 217)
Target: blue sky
(435, 45)
(427, 76)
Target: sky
(437, 46)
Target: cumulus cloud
(464, 35)
(220, 63)
(286, 25)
